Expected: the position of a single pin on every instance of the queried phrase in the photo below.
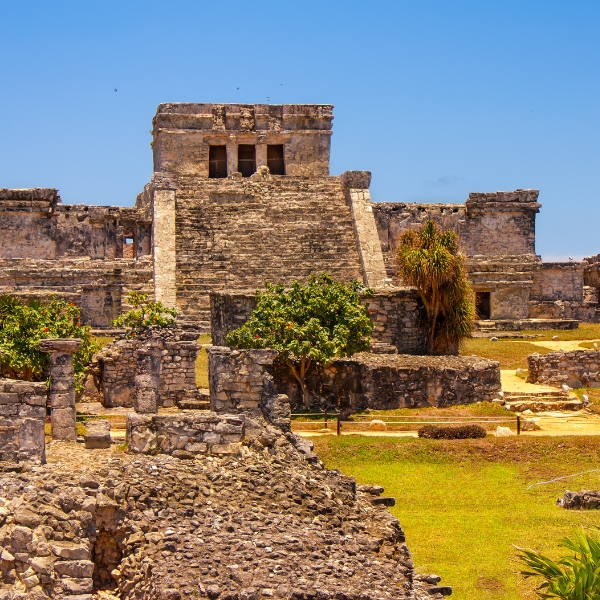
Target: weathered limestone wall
(578, 368)
(183, 133)
(398, 314)
(241, 382)
(22, 418)
(112, 378)
(389, 381)
(185, 435)
(559, 292)
(77, 252)
(497, 232)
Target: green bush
(145, 314)
(24, 324)
(312, 323)
(462, 432)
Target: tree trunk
(305, 396)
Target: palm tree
(573, 577)
(430, 259)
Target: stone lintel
(67, 345)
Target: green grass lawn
(463, 504)
(510, 354)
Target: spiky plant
(575, 576)
(430, 259)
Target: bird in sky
(115, 89)
(237, 88)
(570, 258)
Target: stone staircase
(235, 235)
(541, 401)
(194, 400)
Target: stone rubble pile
(265, 524)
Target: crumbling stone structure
(22, 418)
(62, 386)
(113, 373)
(240, 194)
(578, 368)
(389, 381)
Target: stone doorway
(483, 305)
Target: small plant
(24, 324)
(145, 314)
(308, 324)
(462, 432)
(575, 576)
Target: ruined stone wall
(185, 435)
(578, 368)
(22, 418)
(77, 252)
(559, 292)
(398, 314)
(111, 378)
(390, 381)
(241, 382)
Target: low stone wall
(112, 373)
(241, 382)
(185, 435)
(559, 309)
(398, 314)
(22, 418)
(578, 368)
(388, 381)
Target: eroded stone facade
(242, 193)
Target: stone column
(147, 377)
(62, 386)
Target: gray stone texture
(578, 368)
(389, 381)
(61, 397)
(113, 378)
(22, 418)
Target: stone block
(233, 449)
(9, 398)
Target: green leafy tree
(24, 324)
(145, 314)
(430, 259)
(308, 324)
(575, 576)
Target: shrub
(430, 259)
(24, 324)
(461, 432)
(145, 314)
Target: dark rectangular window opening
(217, 162)
(275, 160)
(483, 305)
(246, 159)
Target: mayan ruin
(212, 493)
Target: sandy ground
(566, 345)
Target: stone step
(193, 405)
(537, 405)
(542, 394)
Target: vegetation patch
(464, 504)
(510, 354)
(448, 432)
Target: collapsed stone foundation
(578, 368)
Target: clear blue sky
(436, 98)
